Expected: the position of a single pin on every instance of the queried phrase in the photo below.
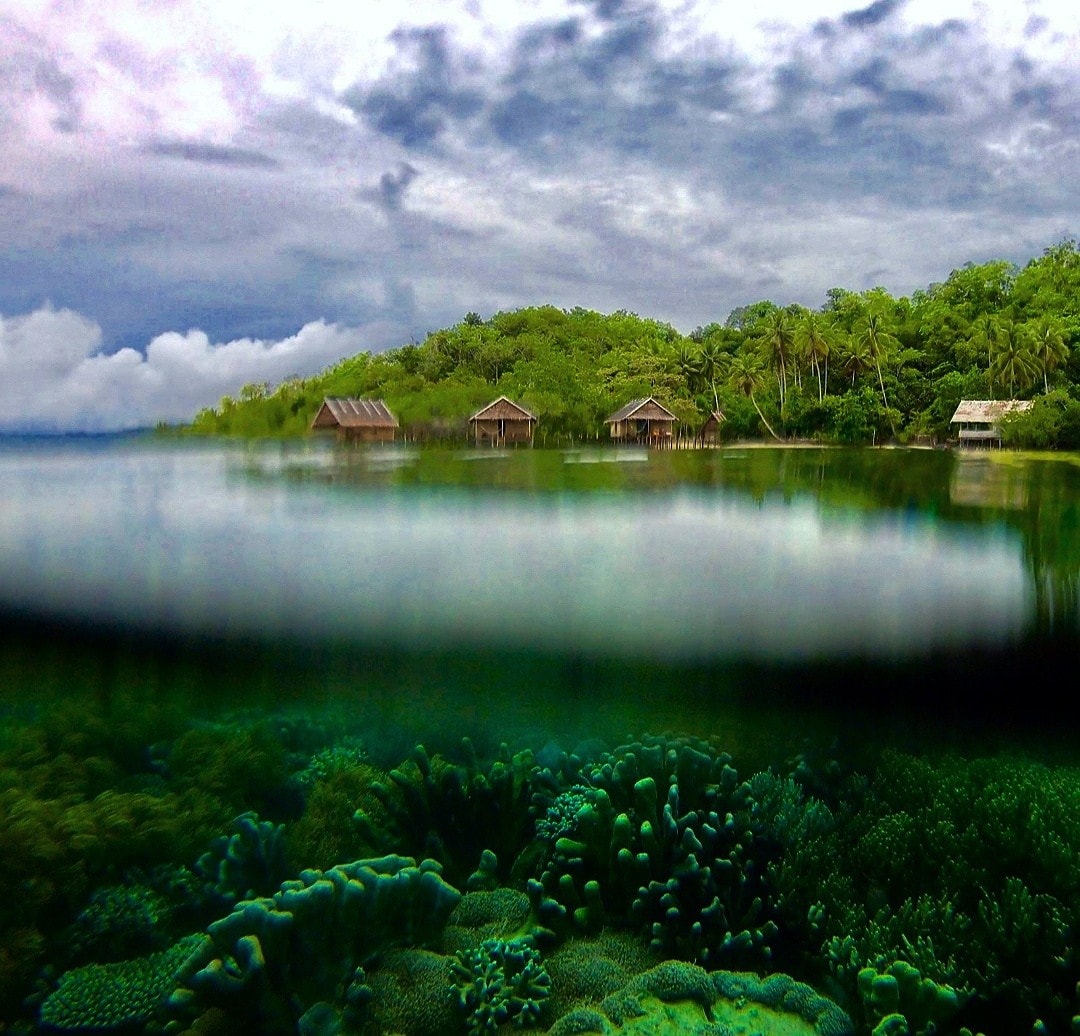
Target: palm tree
(873, 332)
(810, 337)
(747, 375)
(712, 363)
(1013, 358)
(855, 358)
(1049, 348)
(688, 364)
(984, 331)
(776, 336)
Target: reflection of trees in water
(1038, 500)
(1051, 535)
(1041, 501)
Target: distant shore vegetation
(865, 367)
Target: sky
(195, 196)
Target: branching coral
(452, 812)
(248, 863)
(498, 983)
(661, 834)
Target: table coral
(112, 996)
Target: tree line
(864, 367)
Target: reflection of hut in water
(503, 423)
(983, 482)
(643, 421)
(978, 421)
(357, 420)
(709, 435)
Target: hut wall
(506, 431)
(367, 433)
(642, 432)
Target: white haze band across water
(184, 540)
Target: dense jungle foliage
(866, 367)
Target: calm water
(786, 601)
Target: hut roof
(631, 409)
(357, 413)
(988, 411)
(503, 409)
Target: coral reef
(248, 863)
(113, 996)
(660, 833)
(453, 812)
(118, 922)
(675, 998)
(274, 958)
(500, 982)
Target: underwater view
(303, 738)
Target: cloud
(414, 102)
(392, 186)
(873, 15)
(54, 376)
(212, 154)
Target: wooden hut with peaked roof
(709, 435)
(356, 420)
(643, 421)
(978, 421)
(503, 423)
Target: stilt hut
(643, 421)
(356, 420)
(709, 435)
(978, 421)
(503, 423)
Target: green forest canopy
(863, 367)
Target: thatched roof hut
(978, 421)
(643, 421)
(503, 422)
(360, 420)
(709, 435)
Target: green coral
(278, 956)
(676, 998)
(659, 833)
(967, 870)
(124, 993)
(118, 922)
(453, 811)
(248, 863)
(408, 995)
(500, 983)
(900, 994)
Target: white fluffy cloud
(54, 376)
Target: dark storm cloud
(628, 42)
(60, 89)
(392, 186)
(868, 17)
(414, 106)
(212, 154)
(525, 116)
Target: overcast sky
(198, 195)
